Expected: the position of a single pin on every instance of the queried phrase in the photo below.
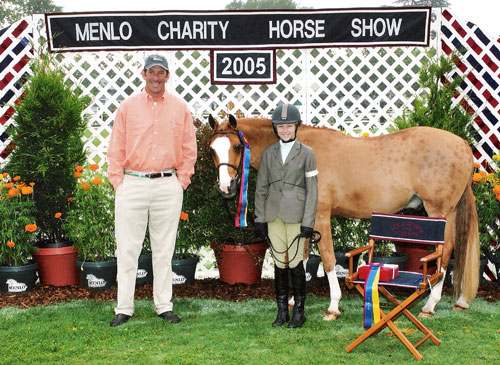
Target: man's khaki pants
(140, 200)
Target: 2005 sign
(243, 67)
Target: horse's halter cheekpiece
(240, 219)
(233, 186)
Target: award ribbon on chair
(240, 219)
(371, 312)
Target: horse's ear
(212, 122)
(232, 121)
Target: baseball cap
(155, 60)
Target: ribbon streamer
(240, 219)
(371, 311)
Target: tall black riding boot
(281, 287)
(299, 296)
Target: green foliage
(261, 4)
(435, 107)
(13, 10)
(209, 218)
(486, 188)
(48, 129)
(91, 218)
(433, 3)
(17, 221)
(349, 233)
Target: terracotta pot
(414, 253)
(57, 265)
(240, 264)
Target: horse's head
(226, 148)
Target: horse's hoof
(331, 316)
(423, 314)
(458, 308)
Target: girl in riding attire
(285, 205)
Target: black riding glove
(261, 229)
(306, 232)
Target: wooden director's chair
(401, 229)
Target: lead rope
(314, 240)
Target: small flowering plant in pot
(89, 223)
(486, 187)
(17, 234)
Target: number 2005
(239, 66)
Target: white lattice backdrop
(354, 89)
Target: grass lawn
(219, 332)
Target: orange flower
(85, 185)
(26, 190)
(97, 180)
(13, 192)
(5, 174)
(497, 196)
(77, 174)
(10, 244)
(17, 178)
(94, 167)
(184, 216)
(477, 165)
(58, 215)
(9, 185)
(496, 189)
(476, 177)
(30, 228)
(78, 168)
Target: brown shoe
(170, 316)
(119, 319)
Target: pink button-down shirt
(151, 136)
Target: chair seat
(406, 279)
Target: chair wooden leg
(426, 331)
(386, 320)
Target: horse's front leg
(328, 258)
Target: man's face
(286, 131)
(155, 78)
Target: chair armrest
(431, 257)
(357, 251)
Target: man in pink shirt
(151, 159)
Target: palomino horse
(358, 176)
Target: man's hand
(306, 232)
(261, 229)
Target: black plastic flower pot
(18, 279)
(99, 275)
(144, 270)
(183, 270)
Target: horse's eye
(238, 147)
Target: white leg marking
(434, 296)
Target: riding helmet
(285, 114)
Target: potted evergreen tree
(47, 134)
(89, 224)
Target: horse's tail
(466, 270)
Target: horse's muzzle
(233, 189)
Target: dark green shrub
(48, 129)
(435, 108)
